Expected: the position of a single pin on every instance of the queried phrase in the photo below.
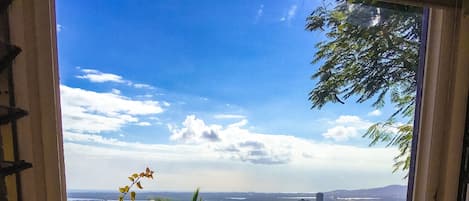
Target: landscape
(387, 193)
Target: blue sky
(208, 93)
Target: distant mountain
(397, 192)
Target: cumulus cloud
(238, 144)
(375, 113)
(232, 141)
(195, 131)
(239, 154)
(352, 120)
(341, 133)
(290, 14)
(94, 112)
(346, 127)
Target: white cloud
(232, 141)
(242, 145)
(239, 156)
(260, 12)
(145, 96)
(144, 123)
(375, 113)
(351, 120)
(346, 127)
(59, 27)
(239, 124)
(229, 116)
(99, 77)
(78, 137)
(143, 86)
(116, 91)
(290, 14)
(195, 131)
(166, 104)
(94, 112)
(341, 133)
(237, 143)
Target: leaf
(131, 179)
(121, 198)
(135, 175)
(341, 27)
(122, 190)
(139, 185)
(195, 195)
(132, 195)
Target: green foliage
(370, 53)
(195, 196)
(135, 179)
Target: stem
(133, 183)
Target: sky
(209, 94)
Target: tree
(371, 53)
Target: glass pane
(246, 100)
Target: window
(225, 107)
(48, 152)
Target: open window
(441, 102)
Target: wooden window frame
(36, 81)
(443, 106)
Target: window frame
(36, 81)
(443, 106)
